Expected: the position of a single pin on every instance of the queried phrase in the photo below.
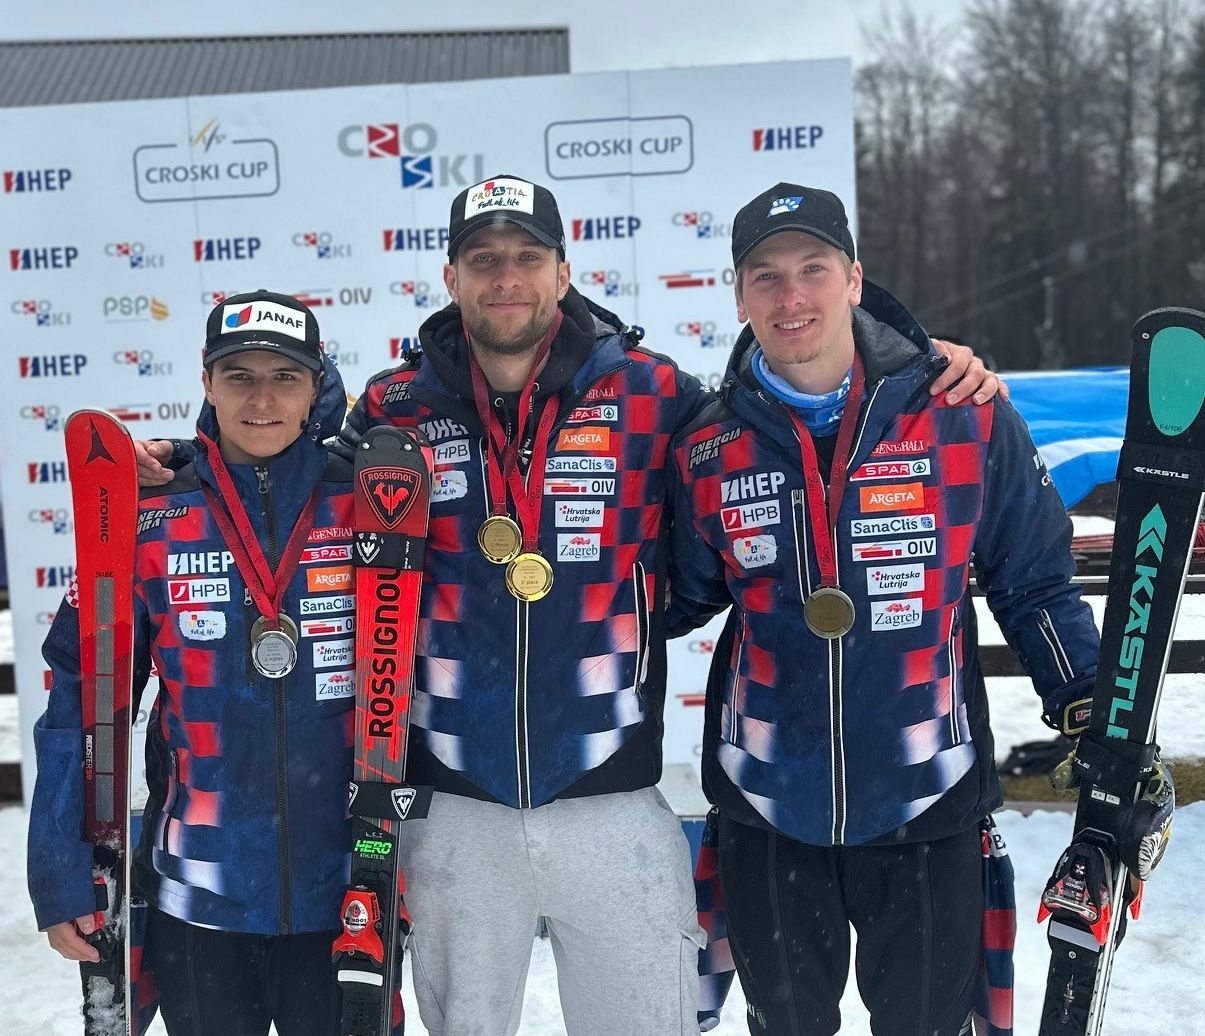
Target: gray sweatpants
(612, 875)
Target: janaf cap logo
(390, 492)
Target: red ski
(392, 488)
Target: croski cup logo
(390, 492)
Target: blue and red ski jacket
(881, 734)
(523, 703)
(246, 826)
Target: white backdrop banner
(122, 224)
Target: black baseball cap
(506, 199)
(263, 320)
(788, 206)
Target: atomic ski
(1126, 797)
(391, 492)
(104, 492)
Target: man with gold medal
(838, 505)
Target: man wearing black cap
(838, 506)
(245, 845)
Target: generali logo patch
(895, 449)
(904, 496)
(587, 437)
(319, 579)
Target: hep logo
(404, 348)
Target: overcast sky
(615, 34)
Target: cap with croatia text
(788, 206)
(265, 321)
(506, 199)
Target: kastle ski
(392, 489)
(1126, 797)
(104, 490)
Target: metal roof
(76, 71)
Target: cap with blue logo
(266, 321)
(788, 206)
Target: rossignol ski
(1126, 798)
(104, 491)
(392, 488)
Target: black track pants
(233, 984)
(917, 909)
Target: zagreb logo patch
(390, 492)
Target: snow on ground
(1156, 988)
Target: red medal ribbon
(503, 474)
(821, 513)
(267, 587)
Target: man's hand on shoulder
(965, 376)
(151, 457)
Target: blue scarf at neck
(821, 414)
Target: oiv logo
(26, 181)
(62, 365)
(48, 257)
(123, 309)
(787, 138)
(211, 165)
(315, 298)
(43, 312)
(705, 334)
(323, 245)
(420, 293)
(689, 279)
(603, 228)
(138, 412)
(611, 281)
(134, 255)
(416, 239)
(144, 360)
(650, 146)
(701, 225)
(47, 415)
(414, 147)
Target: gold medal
(499, 539)
(829, 612)
(529, 577)
(274, 651)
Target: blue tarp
(1077, 420)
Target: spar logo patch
(390, 492)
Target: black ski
(1125, 793)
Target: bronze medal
(529, 577)
(828, 612)
(274, 651)
(500, 539)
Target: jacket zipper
(955, 737)
(268, 508)
(173, 796)
(642, 630)
(1061, 661)
(736, 677)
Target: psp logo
(224, 249)
(705, 334)
(25, 181)
(611, 282)
(122, 309)
(787, 138)
(323, 244)
(42, 311)
(56, 518)
(701, 224)
(50, 257)
(144, 360)
(47, 414)
(414, 147)
(134, 255)
(420, 293)
(604, 228)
